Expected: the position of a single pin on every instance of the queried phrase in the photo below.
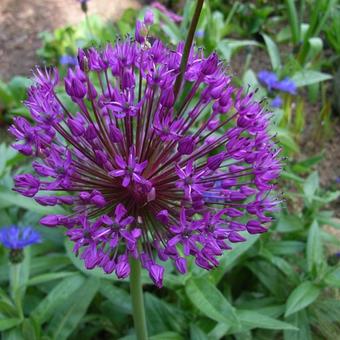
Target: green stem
(187, 46)
(136, 290)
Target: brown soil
(22, 20)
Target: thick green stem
(136, 290)
(187, 46)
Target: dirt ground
(22, 20)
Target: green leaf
(166, 336)
(301, 297)
(228, 46)
(117, 297)
(67, 318)
(9, 323)
(289, 223)
(273, 51)
(49, 277)
(210, 301)
(293, 20)
(230, 258)
(333, 278)
(18, 86)
(285, 247)
(314, 248)
(6, 97)
(58, 296)
(310, 186)
(9, 197)
(253, 319)
(196, 333)
(162, 316)
(308, 77)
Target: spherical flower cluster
(148, 173)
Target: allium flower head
(148, 173)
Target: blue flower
(277, 102)
(14, 237)
(286, 85)
(68, 60)
(199, 34)
(269, 79)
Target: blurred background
(283, 285)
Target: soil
(22, 20)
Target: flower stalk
(187, 46)
(136, 290)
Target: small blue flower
(286, 85)
(68, 60)
(14, 237)
(269, 79)
(199, 34)
(277, 102)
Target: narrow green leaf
(67, 318)
(253, 319)
(314, 248)
(311, 185)
(210, 301)
(301, 297)
(49, 277)
(293, 21)
(9, 323)
(273, 51)
(56, 297)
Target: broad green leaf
(67, 318)
(196, 333)
(273, 51)
(230, 258)
(289, 223)
(310, 186)
(308, 77)
(6, 97)
(56, 297)
(252, 319)
(333, 278)
(117, 296)
(43, 264)
(314, 248)
(166, 336)
(302, 322)
(210, 301)
(162, 316)
(9, 323)
(49, 277)
(301, 297)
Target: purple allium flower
(277, 102)
(148, 173)
(14, 237)
(269, 79)
(286, 85)
(171, 15)
(68, 60)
